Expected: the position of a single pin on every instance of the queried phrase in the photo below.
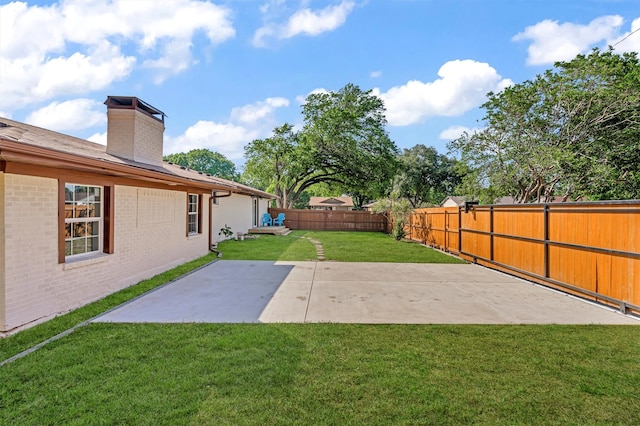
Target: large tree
(347, 130)
(425, 177)
(280, 164)
(573, 132)
(343, 143)
(206, 161)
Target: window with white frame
(83, 215)
(192, 211)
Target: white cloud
(76, 114)
(313, 23)
(552, 41)
(375, 74)
(304, 22)
(462, 86)
(100, 138)
(250, 114)
(226, 138)
(79, 73)
(73, 47)
(262, 33)
(629, 41)
(302, 99)
(229, 138)
(176, 58)
(454, 132)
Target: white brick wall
(3, 322)
(235, 211)
(37, 287)
(134, 135)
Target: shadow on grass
(269, 247)
(328, 374)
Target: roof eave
(11, 151)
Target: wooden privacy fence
(436, 227)
(332, 220)
(591, 249)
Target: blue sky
(228, 72)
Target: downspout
(210, 223)
(214, 195)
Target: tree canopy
(572, 132)
(425, 176)
(206, 161)
(343, 143)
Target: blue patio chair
(266, 220)
(279, 221)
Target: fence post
(546, 240)
(491, 232)
(425, 228)
(459, 230)
(411, 225)
(446, 230)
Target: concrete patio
(232, 291)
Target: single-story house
(458, 201)
(80, 220)
(331, 203)
(369, 206)
(453, 201)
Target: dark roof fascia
(97, 161)
(255, 192)
(19, 152)
(121, 102)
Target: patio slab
(231, 291)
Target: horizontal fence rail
(332, 220)
(590, 249)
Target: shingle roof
(330, 202)
(459, 200)
(14, 131)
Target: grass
(338, 246)
(290, 374)
(286, 374)
(269, 247)
(341, 246)
(16, 343)
(376, 247)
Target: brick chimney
(135, 130)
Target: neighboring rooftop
(331, 202)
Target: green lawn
(338, 246)
(269, 247)
(293, 374)
(290, 374)
(19, 342)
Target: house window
(83, 219)
(193, 214)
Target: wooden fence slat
(594, 247)
(332, 220)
